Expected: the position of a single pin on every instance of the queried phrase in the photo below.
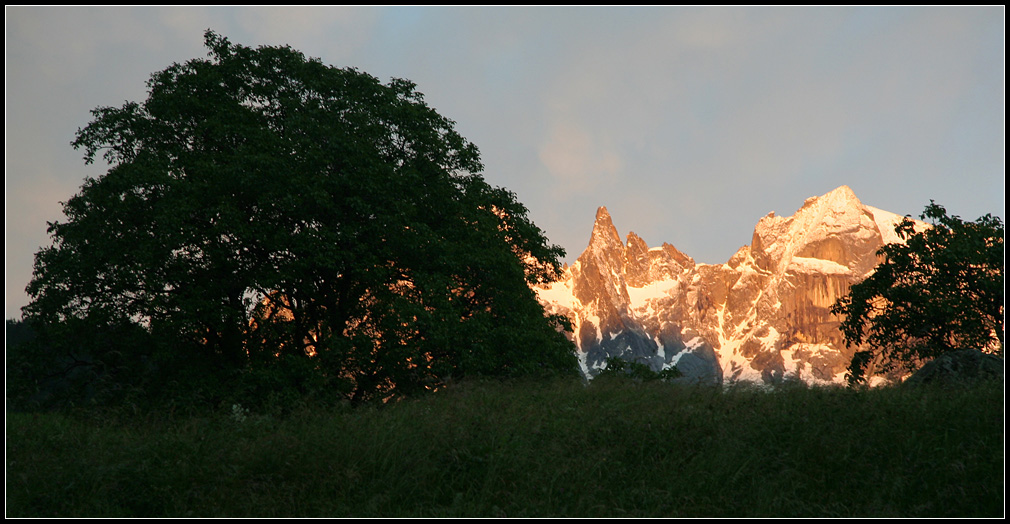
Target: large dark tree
(940, 290)
(263, 207)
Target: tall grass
(522, 449)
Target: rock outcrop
(762, 316)
(960, 368)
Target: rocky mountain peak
(604, 236)
(838, 198)
(634, 244)
(834, 227)
(763, 315)
(602, 215)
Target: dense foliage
(267, 215)
(618, 367)
(940, 290)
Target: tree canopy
(940, 290)
(263, 208)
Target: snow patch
(817, 265)
(582, 363)
(768, 341)
(885, 222)
(642, 295)
(559, 293)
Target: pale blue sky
(689, 124)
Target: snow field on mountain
(817, 266)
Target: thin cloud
(689, 123)
(579, 161)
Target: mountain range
(763, 316)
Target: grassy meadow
(615, 448)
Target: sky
(688, 124)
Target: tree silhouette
(261, 207)
(940, 290)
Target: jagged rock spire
(604, 236)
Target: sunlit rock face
(762, 316)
